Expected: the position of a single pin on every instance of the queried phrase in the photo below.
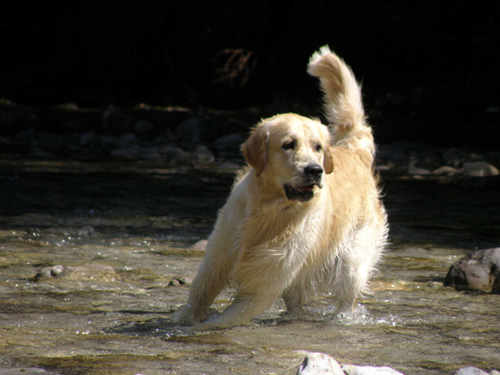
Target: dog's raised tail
(342, 101)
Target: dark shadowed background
(429, 68)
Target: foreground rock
(321, 363)
(479, 270)
(474, 371)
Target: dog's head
(292, 153)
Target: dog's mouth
(302, 194)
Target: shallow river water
(124, 229)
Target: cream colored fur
(278, 235)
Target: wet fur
(328, 237)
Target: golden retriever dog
(303, 217)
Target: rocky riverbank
(179, 137)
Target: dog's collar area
(303, 194)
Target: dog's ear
(328, 160)
(255, 149)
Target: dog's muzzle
(312, 176)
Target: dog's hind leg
(357, 263)
(296, 295)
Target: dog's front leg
(243, 308)
(261, 276)
(211, 278)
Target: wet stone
(99, 272)
(177, 281)
(479, 270)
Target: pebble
(181, 280)
(200, 245)
(100, 272)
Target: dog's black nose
(313, 170)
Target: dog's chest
(287, 231)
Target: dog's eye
(289, 145)
(318, 148)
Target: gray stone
(479, 270)
(100, 272)
(480, 169)
(201, 155)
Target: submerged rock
(100, 272)
(479, 270)
(180, 280)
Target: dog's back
(343, 104)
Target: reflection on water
(139, 220)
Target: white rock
(319, 363)
(470, 371)
(369, 370)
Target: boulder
(479, 270)
(480, 169)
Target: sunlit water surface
(140, 219)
